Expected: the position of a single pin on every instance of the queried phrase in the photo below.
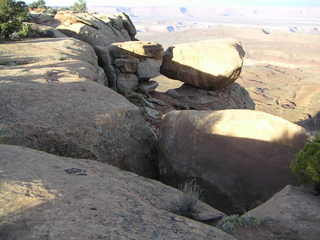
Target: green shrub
(306, 164)
(51, 11)
(230, 223)
(38, 4)
(79, 6)
(12, 15)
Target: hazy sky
(230, 3)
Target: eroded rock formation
(52, 99)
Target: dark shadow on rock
(191, 98)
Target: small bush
(79, 6)
(51, 11)
(230, 223)
(12, 15)
(306, 165)
(186, 204)
(38, 4)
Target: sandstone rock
(187, 97)
(142, 58)
(42, 19)
(148, 86)
(126, 65)
(45, 32)
(212, 64)
(51, 197)
(294, 210)
(231, 97)
(110, 27)
(127, 82)
(49, 59)
(149, 68)
(99, 31)
(139, 49)
(240, 157)
(50, 102)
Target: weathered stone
(63, 59)
(51, 197)
(127, 65)
(212, 64)
(149, 68)
(139, 49)
(99, 31)
(240, 157)
(293, 210)
(50, 102)
(127, 82)
(148, 86)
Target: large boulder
(211, 64)
(239, 157)
(99, 31)
(49, 101)
(51, 197)
(292, 210)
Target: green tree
(38, 4)
(306, 165)
(79, 6)
(12, 15)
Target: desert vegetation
(12, 16)
(38, 4)
(230, 223)
(79, 6)
(306, 165)
(186, 204)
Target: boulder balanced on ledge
(212, 64)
